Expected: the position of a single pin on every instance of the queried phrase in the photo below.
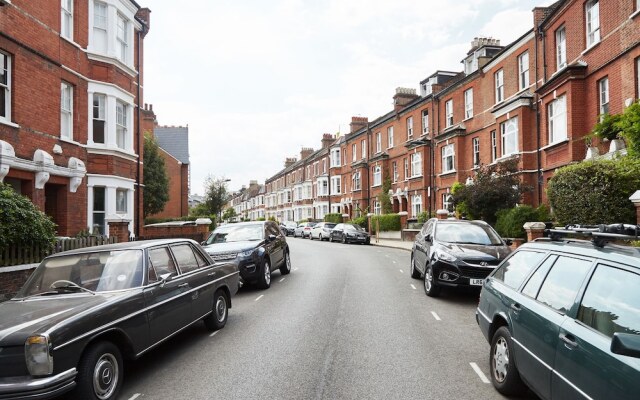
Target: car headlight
(37, 355)
(246, 253)
(444, 256)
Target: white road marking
(413, 287)
(395, 262)
(483, 378)
(282, 279)
(401, 271)
(212, 335)
(259, 297)
(135, 396)
(435, 316)
(295, 269)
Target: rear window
(515, 269)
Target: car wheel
(286, 264)
(330, 238)
(320, 237)
(218, 317)
(504, 374)
(344, 239)
(99, 373)
(430, 286)
(415, 274)
(264, 282)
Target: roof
(174, 140)
(623, 254)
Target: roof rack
(599, 234)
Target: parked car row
(562, 316)
(332, 232)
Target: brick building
(173, 142)
(70, 86)
(534, 100)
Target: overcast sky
(257, 80)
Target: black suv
(454, 253)
(258, 248)
(563, 316)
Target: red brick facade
(48, 150)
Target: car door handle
(516, 307)
(211, 274)
(569, 341)
(182, 285)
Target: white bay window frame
(66, 111)
(118, 131)
(416, 164)
(468, 103)
(416, 205)
(5, 87)
(66, 19)
(557, 112)
(509, 136)
(448, 159)
(377, 176)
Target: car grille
(12, 362)
(475, 272)
(482, 263)
(223, 256)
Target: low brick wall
(198, 233)
(409, 235)
(12, 279)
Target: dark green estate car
(563, 316)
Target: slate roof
(174, 140)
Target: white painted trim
(514, 48)
(524, 102)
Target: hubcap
(105, 376)
(267, 273)
(221, 309)
(428, 277)
(288, 261)
(500, 360)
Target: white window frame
(523, 70)
(406, 168)
(557, 116)
(377, 176)
(468, 103)
(99, 113)
(509, 136)
(447, 201)
(494, 145)
(335, 158)
(425, 122)
(123, 26)
(603, 95)
(475, 142)
(355, 181)
(389, 137)
(66, 111)
(409, 127)
(395, 172)
(354, 152)
(499, 83)
(122, 124)
(448, 159)
(561, 48)
(100, 26)
(592, 25)
(416, 205)
(5, 86)
(324, 166)
(448, 107)
(377, 207)
(416, 164)
(336, 182)
(363, 150)
(378, 142)
(66, 19)
(122, 205)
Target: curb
(390, 247)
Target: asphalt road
(347, 323)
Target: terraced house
(70, 94)
(534, 100)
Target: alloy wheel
(500, 360)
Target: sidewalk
(396, 244)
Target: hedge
(510, 221)
(595, 192)
(388, 222)
(362, 221)
(21, 222)
(333, 217)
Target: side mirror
(508, 242)
(164, 278)
(626, 344)
(271, 238)
(427, 238)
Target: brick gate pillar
(119, 228)
(534, 230)
(635, 199)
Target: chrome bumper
(28, 387)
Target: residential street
(347, 323)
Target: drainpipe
(432, 183)
(367, 164)
(140, 143)
(537, 102)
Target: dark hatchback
(349, 233)
(82, 312)
(257, 248)
(564, 317)
(455, 253)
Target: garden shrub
(511, 220)
(21, 222)
(388, 222)
(424, 217)
(333, 217)
(362, 221)
(595, 192)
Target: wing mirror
(626, 344)
(508, 242)
(427, 238)
(164, 278)
(271, 238)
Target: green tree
(629, 125)
(156, 182)
(216, 195)
(385, 199)
(229, 213)
(495, 187)
(21, 223)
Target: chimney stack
(327, 140)
(289, 161)
(305, 152)
(403, 97)
(358, 123)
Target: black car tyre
(504, 374)
(344, 238)
(218, 317)
(320, 237)
(286, 264)
(99, 373)
(430, 286)
(415, 274)
(331, 238)
(264, 282)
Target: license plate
(476, 282)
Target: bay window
(448, 158)
(509, 133)
(558, 119)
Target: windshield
(97, 272)
(353, 228)
(466, 233)
(290, 224)
(236, 233)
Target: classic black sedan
(349, 233)
(257, 248)
(83, 311)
